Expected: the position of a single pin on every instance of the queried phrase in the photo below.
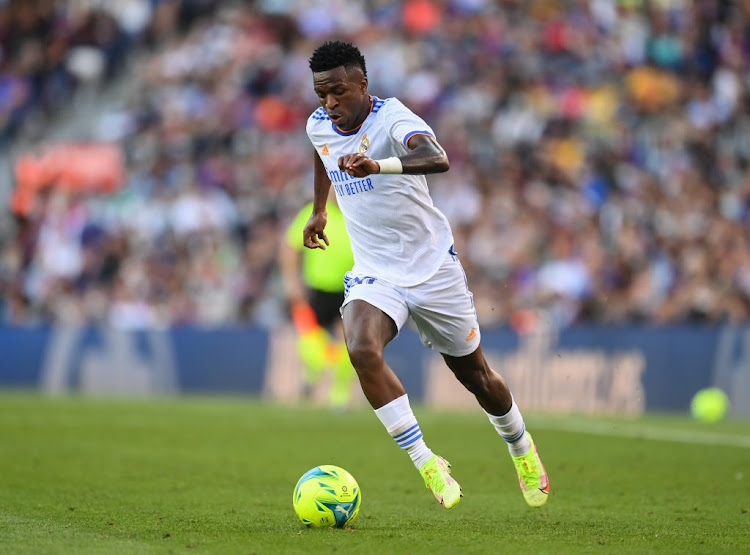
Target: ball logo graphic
(325, 496)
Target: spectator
(599, 154)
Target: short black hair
(334, 53)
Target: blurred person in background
(314, 285)
(375, 154)
(622, 126)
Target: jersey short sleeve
(403, 124)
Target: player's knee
(365, 355)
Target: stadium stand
(599, 153)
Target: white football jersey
(396, 232)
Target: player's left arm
(425, 156)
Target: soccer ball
(326, 496)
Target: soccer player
(314, 284)
(375, 153)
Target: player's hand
(295, 292)
(358, 165)
(314, 231)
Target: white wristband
(390, 165)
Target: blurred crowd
(600, 154)
(50, 49)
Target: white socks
(399, 421)
(511, 428)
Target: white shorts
(442, 307)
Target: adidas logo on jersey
(324, 150)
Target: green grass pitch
(215, 475)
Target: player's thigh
(372, 309)
(443, 310)
(366, 327)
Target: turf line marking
(648, 432)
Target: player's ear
(363, 85)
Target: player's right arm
(314, 236)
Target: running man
(375, 153)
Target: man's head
(340, 81)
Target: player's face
(343, 94)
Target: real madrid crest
(364, 146)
